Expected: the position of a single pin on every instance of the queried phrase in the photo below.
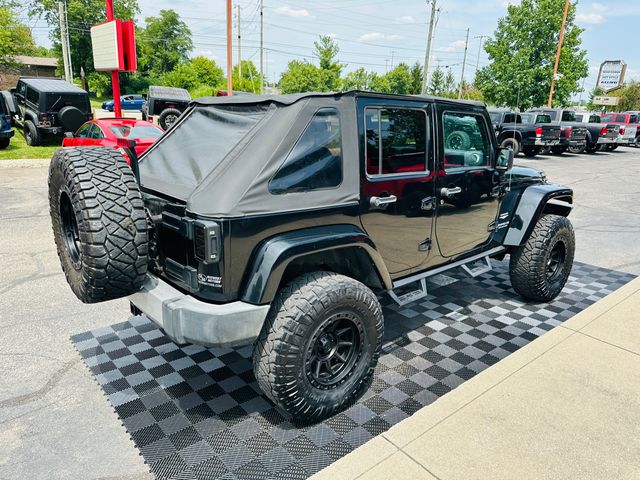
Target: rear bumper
(541, 142)
(606, 140)
(186, 319)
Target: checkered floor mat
(197, 413)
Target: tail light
(603, 131)
(621, 130)
(206, 239)
(567, 132)
(44, 120)
(539, 132)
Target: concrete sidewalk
(566, 406)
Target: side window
(633, 119)
(96, 132)
(33, 96)
(84, 131)
(316, 159)
(510, 118)
(22, 88)
(396, 141)
(466, 141)
(594, 119)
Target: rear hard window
(124, 131)
(56, 102)
(316, 160)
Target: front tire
(512, 143)
(319, 345)
(539, 269)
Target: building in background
(27, 67)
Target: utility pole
(481, 37)
(239, 48)
(229, 50)
(425, 74)
(464, 64)
(261, 47)
(64, 41)
(392, 55)
(555, 66)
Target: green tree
(196, 72)
(15, 37)
(164, 43)
(356, 80)
(301, 76)
(450, 89)
(326, 49)
(629, 97)
(81, 15)
(250, 81)
(379, 83)
(400, 80)
(594, 93)
(522, 54)
(416, 78)
(436, 83)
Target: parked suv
(167, 103)
(50, 106)
(528, 137)
(273, 220)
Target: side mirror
(68, 135)
(505, 159)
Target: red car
(115, 132)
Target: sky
(378, 34)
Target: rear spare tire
(168, 117)
(71, 118)
(539, 269)
(99, 222)
(319, 345)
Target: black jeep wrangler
(50, 106)
(167, 103)
(272, 220)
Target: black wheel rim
(334, 350)
(555, 262)
(170, 120)
(70, 229)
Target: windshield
(142, 131)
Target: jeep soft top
(272, 220)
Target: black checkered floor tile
(197, 413)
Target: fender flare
(272, 257)
(533, 203)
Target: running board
(420, 293)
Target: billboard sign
(114, 46)
(611, 74)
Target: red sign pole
(115, 79)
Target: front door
(397, 183)
(467, 204)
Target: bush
(201, 91)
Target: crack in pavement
(47, 387)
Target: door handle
(449, 192)
(379, 201)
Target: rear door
(467, 206)
(397, 181)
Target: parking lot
(55, 421)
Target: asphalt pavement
(55, 421)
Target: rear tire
(539, 269)
(309, 320)
(530, 151)
(31, 135)
(4, 143)
(168, 117)
(611, 148)
(592, 147)
(99, 222)
(513, 143)
(576, 150)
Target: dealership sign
(602, 100)
(611, 74)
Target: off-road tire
(297, 315)
(166, 118)
(458, 140)
(530, 151)
(99, 222)
(558, 150)
(4, 143)
(31, 135)
(513, 143)
(529, 263)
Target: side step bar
(421, 292)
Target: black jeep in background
(272, 220)
(523, 136)
(49, 107)
(167, 103)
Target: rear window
(607, 118)
(621, 118)
(145, 131)
(543, 119)
(55, 102)
(568, 116)
(179, 162)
